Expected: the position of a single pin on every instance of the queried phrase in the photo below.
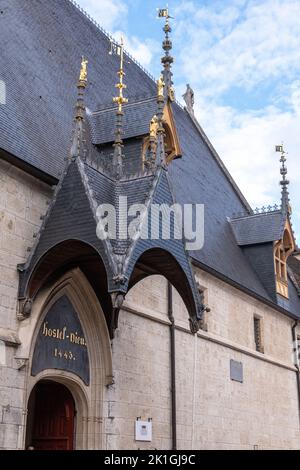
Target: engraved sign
(61, 343)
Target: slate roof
(294, 266)
(73, 215)
(292, 303)
(137, 116)
(258, 228)
(105, 191)
(42, 44)
(198, 178)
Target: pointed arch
(61, 258)
(160, 261)
(89, 398)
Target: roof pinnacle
(167, 60)
(120, 100)
(285, 201)
(78, 137)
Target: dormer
(267, 240)
(136, 132)
(172, 146)
(282, 250)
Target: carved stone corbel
(21, 362)
(117, 299)
(194, 325)
(25, 307)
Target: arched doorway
(52, 417)
(88, 395)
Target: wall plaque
(143, 430)
(60, 343)
(236, 371)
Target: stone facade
(22, 201)
(213, 411)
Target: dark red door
(54, 411)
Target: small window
(280, 262)
(257, 322)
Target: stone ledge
(9, 337)
(146, 313)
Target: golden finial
(83, 70)
(120, 100)
(160, 86)
(153, 126)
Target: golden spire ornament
(120, 100)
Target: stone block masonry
(22, 202)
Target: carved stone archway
(88, 398)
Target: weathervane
(164, 13)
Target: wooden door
(54, 412)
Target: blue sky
(242, 58)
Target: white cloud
(143, 52)
(110, 14)
(239, 45)
(246, 143)
(227, 48)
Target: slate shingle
(258, 228)
(137, 116)
(42, 44)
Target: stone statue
(160, 86)
(153, 126)
(189, 99)
(83, 71)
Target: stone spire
(167, 60)
(120, 100)
(77, 148)
(285, 201)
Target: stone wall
(212, 410)
(22, 202)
